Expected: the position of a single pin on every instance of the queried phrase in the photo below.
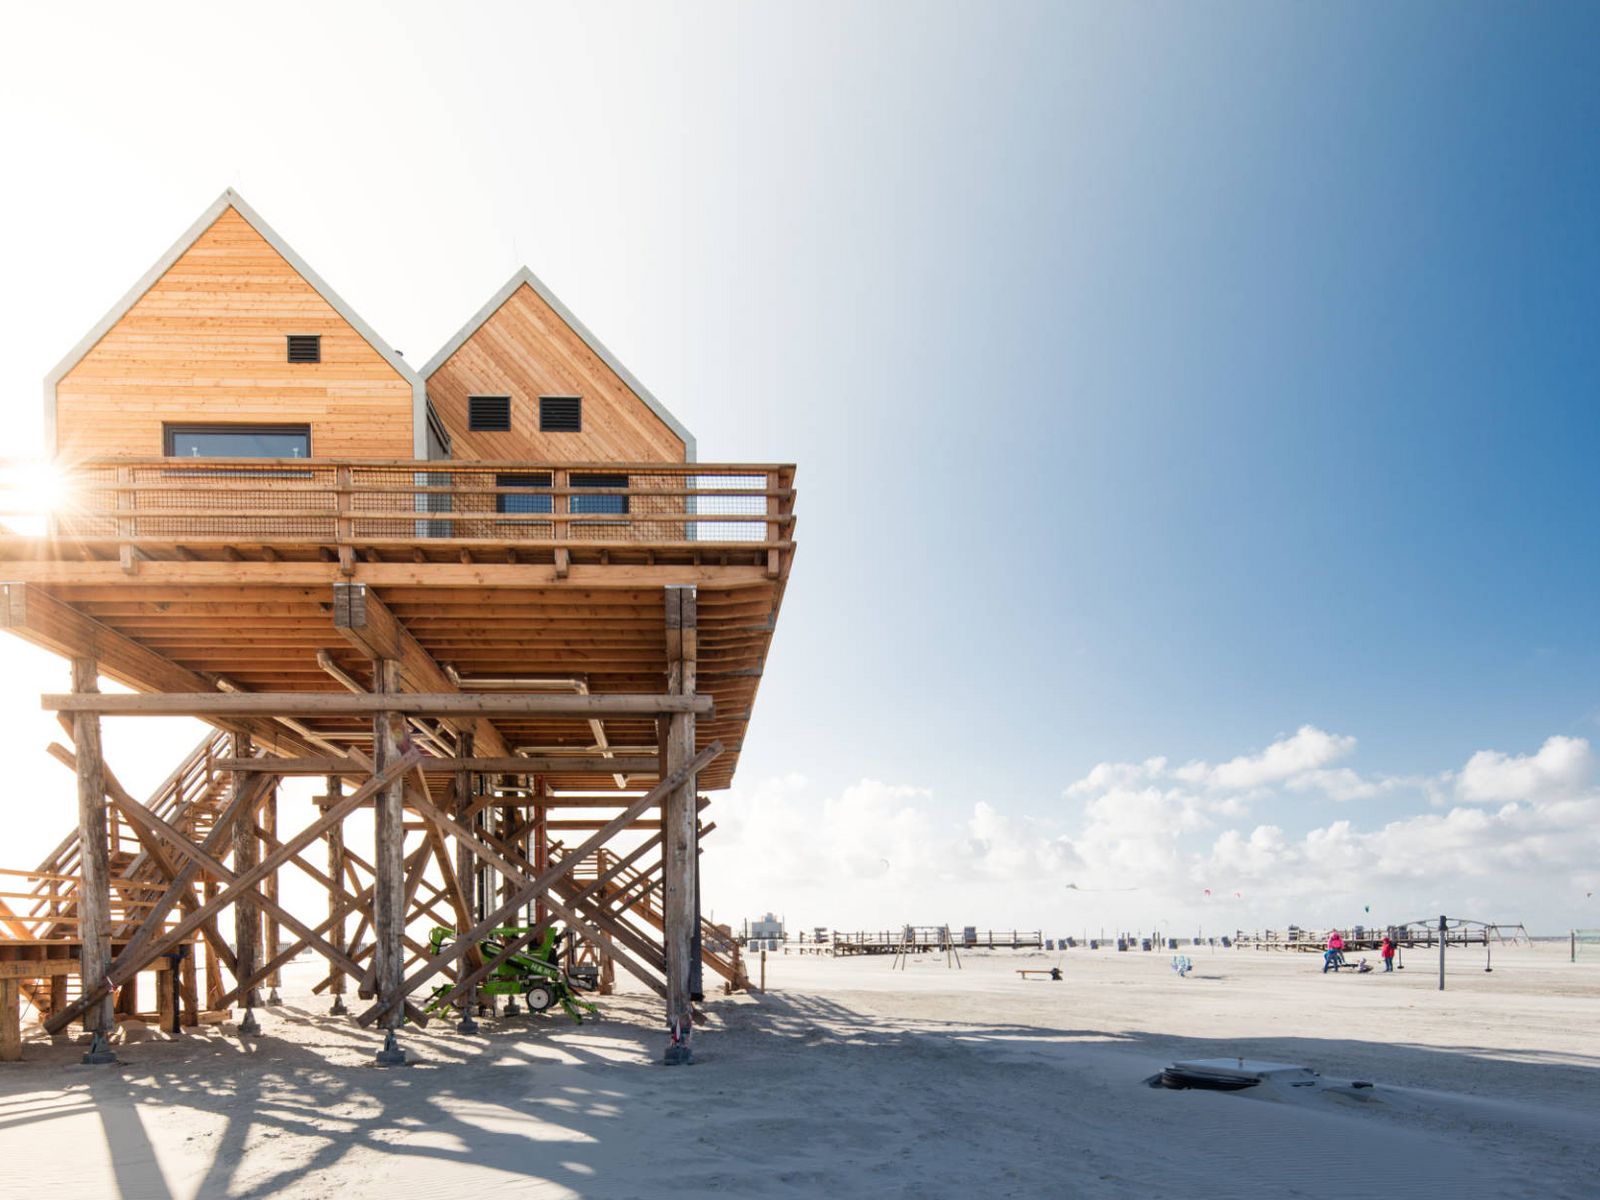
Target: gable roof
(232, 199)
(525, 276)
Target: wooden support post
(389, 897)
(191, 996)
(269, 823)
(213, 962)
(246, 914)
(541, 843)
(166, 998)
(336, 906)
(469, 872)
(680, 851)
(10, 1020)
(94, 887)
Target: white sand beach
(849, 1078)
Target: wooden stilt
(10, 1020)
(94, 889)
(540, 857)
(388, 731)
(246, 914)
(680, 852)
(336, 906)
(213, 963)
(269, 822)
(166, 1008)
(191, 995)
(468, 873)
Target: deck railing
(199, 502)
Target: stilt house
(496, 606)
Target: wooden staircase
(637, 893)
(39, 910)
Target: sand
(849, 1078)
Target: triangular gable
(232, 199)
(497, 301)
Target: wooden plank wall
(525, 350)
(206, 344)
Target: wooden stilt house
(476, 601)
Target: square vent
(560, 414)
(305, 347)
(489, 413)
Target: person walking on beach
(1387, 950)
(1334, 956)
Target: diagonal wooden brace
(539, 886)
(137, 948)
(157, 826)
(129, 963)
(522, 940)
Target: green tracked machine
(535, 974)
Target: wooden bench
(1051, 972)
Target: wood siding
(208, 344)
(525, 350)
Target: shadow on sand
(792, 1093)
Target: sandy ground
(849, 1078)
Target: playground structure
(1420, 934)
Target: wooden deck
(227, 570)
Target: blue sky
(1163, 378)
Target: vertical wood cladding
(525, 351)
(207, 344)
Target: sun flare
(31, 490)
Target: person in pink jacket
(1334, 956)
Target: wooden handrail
(140, 504)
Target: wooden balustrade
(138, 504)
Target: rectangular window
(305, 347)
(600, 505)
(491, 414)
(532, 501)
(237, 441)
(560, 414)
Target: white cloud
(1145, 842)
(1304, 752)
(1563, 765)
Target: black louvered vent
(560, 414)
(305, 347)
(489, 412)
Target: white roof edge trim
(525, 276)
(232, 199)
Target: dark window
(600, 505)
(560, 414)
(529, 502)
(491, 413)
(305, 347)
(238, 441)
